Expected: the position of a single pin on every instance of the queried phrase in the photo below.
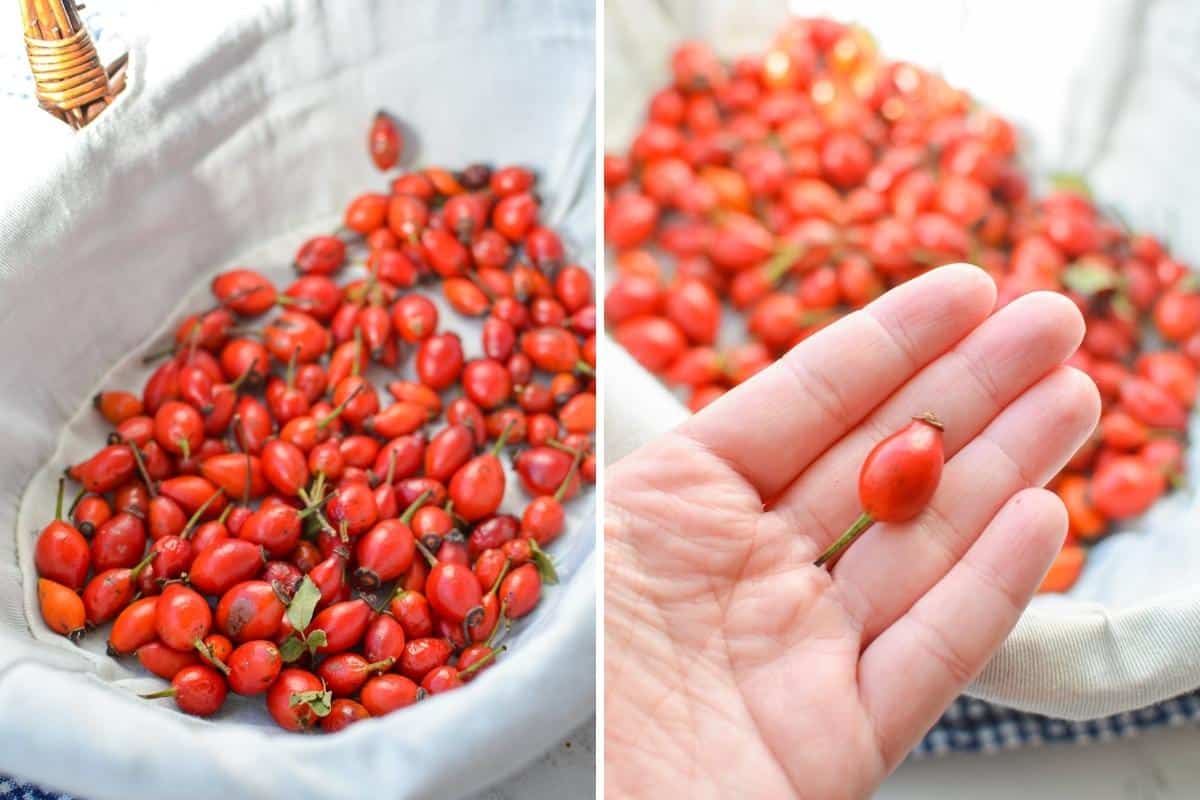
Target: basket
(71, 82)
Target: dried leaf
(291, 649)
(304, 603)
(1088, 279)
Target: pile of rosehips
(262, 521)
(793, 186)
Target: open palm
(733, 667)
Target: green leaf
(304, 603)
(1121, 307)
(315, 640)
(1089, 278)
(544, 564)
(1070, 182)
(291, 649)
(320, 701)
(321, 706)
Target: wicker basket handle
(71, 82)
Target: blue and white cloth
(13, 789)
(973, 726)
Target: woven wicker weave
(71, 82)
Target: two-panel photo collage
(556, 399)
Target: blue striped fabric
(973, 726)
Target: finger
(772, 426)
(912, 672)
(1026, 445)
(967, 387)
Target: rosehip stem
(357, 352)
(236, 434)
(389, 479)
(380, 666)
(500, 442)
(407, 516)
(141, 465)
(500, 579)
(340, 407)
(315, 506)
(566, 483)
(557, 445)
(75, 502)
(209, 656)
(237, 383)
(430, 557)
(858, 528)
(778, 264)
(483, 662)
(151, 357)
(141, 565)
(186, 533)
(502, 620)
(58, 504)
(249, 479)
(290, 376)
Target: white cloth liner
(243, 132)
(1110, 94)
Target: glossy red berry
(422, 656)
(250, 610)
(199, 690)
(254, 666)
(384, 141)
(182, 617)
(62, 553)
(342, 714)
(897, 479)
(384, 694)
(297, 700)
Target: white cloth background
(243, 131)
(1106, 89)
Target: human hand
(733, 666)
